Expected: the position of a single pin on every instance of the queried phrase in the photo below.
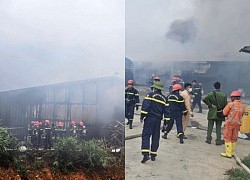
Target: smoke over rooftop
(163, 30)
(182, 31)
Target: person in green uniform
(216, 101)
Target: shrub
(70, 155)
(65, 154)
(93, 154)
(246, 161)
(6, 141)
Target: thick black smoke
(183, 31)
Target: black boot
(218, 142)
(208, 141)
(145, 158)
(181, 138)
(130, 124)
(152, 157)
(165, 136)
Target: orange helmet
(235, 94)
(81, 123)
(130, 82)
(157, 78)
(176, 87)
(73, 123)
(47, 121)
(60, 124)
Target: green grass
(246, 161)
(70, 155)
(238, 174)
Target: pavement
(192, 160)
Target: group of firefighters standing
(42, 134)
(177, 108)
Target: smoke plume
(183, 31)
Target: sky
(45, 42)
(191, 30)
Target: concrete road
(189, 161)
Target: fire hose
(204, 129)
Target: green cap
(158, 85)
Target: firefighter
(186, 94)
(153, 107)
(35, 135)
(131, 101)
(156, 79)
(72, 129)
(40, 134)
(176, 80)
(234, 112)
(216, 101)
(47, 134)
(60, 130)
(177, 109)
(197, 92)
(151, 82)
(30, 132)
(81, 131)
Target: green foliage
(93, 154)
(238, 174)
(70, 155)
(65, 154)
(6, 141)
(246, 161)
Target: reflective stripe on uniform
(130, 93)
(167, 119)
(174, 100)
(179, 134)
(184, 111)
(144, 112)
(151, 152)
(137, 94)
(145, 150)
(156, 100)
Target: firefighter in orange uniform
(234, 112)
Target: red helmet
(235, 94)
(60, 124)
(176, 87)
(73, 123)
(81, 123)
(36, 123)
(130, 82)
(47, 121)
(157, 78)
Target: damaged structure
(231, 74)
(96, 102)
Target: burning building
(96, 102)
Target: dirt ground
(114, 173)
(189, 161)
